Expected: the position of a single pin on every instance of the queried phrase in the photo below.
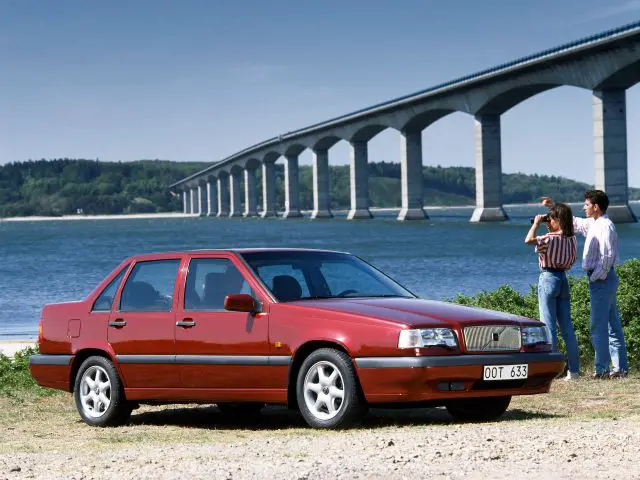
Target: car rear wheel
(327, 390)
(479, 409)
(99, 394)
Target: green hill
(61, 186)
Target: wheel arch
(300, 355)
(81, 356)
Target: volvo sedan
(323, 332)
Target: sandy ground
(513, 448)
(10, 347)
(98, 217)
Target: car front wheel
(327, 390)
(479, 409)
(99, 394)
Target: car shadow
(281, 418)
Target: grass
(33, 419)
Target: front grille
(492, 338)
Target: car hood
(414, 311)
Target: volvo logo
(493, 338)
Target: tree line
(66, 186)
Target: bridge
(607, 64)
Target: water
(55, 261)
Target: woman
(556, 254)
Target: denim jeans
(554, 301)
(607, 337)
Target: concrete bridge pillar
(291, 187)
(250, 193)
(488, 170)
(202, 200)
(321, 195)
(212, 198)
(411, 177)
(223, 196)
(268, 190)
(610, 148)
(192, 200)
(235, 210)
(185, 202)
(359, 181)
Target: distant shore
(37, 218)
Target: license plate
(505, 372)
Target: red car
(320, 331)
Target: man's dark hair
(598, 197)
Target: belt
(553, 270)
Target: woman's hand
(546, 202)
(530, 239)
(538, 220)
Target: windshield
(300, 275)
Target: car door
(214, 347)
(141, 327)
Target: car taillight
(40, 331)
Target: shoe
(600, 376)
(619, 374)
(571, 377)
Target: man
(598, 259)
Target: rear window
(105, 300)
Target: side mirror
(241, 302)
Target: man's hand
(546, 201)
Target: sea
(53, 261)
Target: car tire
(479, 409)
(99, 394)
(327, 390)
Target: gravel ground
(535, 448)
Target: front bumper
(430, 379)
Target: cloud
(611, 11)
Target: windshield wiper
(386, 296)
(317, 297)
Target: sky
(198, 80)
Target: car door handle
(186, 323)
(117, 323)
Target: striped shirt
(561, 252)
(600, 246)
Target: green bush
(506, 299)
(15, 379)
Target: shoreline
(136, 216)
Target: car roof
(155, 255)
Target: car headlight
(427, 337)
(534, 336)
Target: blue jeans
(554, 301)
(607, 337)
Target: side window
(209, 281)
(149, 288)
(105, 299)
(282, 287)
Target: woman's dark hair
(564, 216)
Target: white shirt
(600, 246)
